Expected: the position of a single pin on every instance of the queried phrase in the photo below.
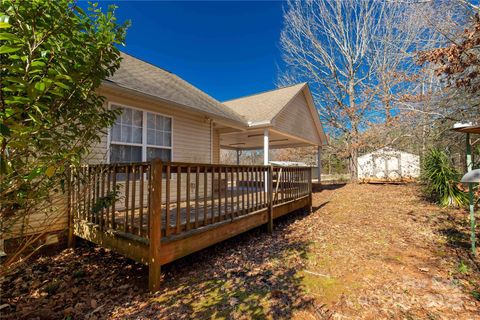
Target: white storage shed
(388, 164)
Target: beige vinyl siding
(216, 147)
(98, 153)
(53, 217)
(296, 119)
(190, 133)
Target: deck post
(270, 198)
(70, 209)
(155, 232)
(310, 200)
(238, 157)
(265, 154)
(319, 164)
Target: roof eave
(221, 120)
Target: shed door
(387, 166)
(379, 167)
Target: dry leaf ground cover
(366, 252)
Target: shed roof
(143, 77)
(264, 106)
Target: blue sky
(227, 49)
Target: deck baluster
(178, 196)
(226, 192)
(248, 182)
(212, 216)
(197, 187)
(187, 187)
(205, 194)
(109, 190)
(256, 189)
(127, 197)
(167, 201)
(88, 189)
(219, 182)
(141, 199)
(243, 190)
(134, 187)
(114, 188)
(233, 192)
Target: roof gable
(263, 107)
(296, 119)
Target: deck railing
(119, 196)
(158, 202)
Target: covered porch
(277, 119)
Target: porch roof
(264, 106)
(289, 114)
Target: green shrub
(441, 180)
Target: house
(165, 116)
(387, 164)
(127, 200)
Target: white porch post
(265, 146)
(265, 154)
(319, 163)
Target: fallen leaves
(369, 252)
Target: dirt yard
(366, 252)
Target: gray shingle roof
(264, 106)
(143, 77)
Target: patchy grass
(367, 251)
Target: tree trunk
(352, 164)
(353, 146)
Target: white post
(238, 157)
(319, 163)
(265, 146)
(265, 155)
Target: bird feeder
(471, 177)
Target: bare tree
(358, 57)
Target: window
(159, 137)
(140, 136)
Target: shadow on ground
(252, 276)
(327, 186)
(454, 225)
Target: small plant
(106, 201)
(476, 294)
(441, 180)
(463, 268)
(78, 273)
(52, 287)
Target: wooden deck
(158, 212)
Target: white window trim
(144, 144)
